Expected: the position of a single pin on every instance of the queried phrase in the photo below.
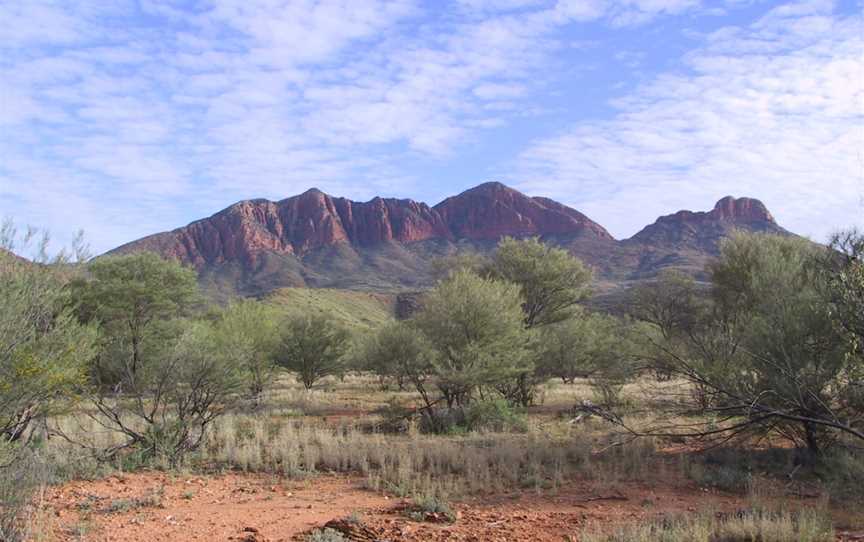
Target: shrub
(446, 421)
(247, 331)
(399, 352)
(431, 508)
(312, 346)
(396, 416)
(842, 474)
(164, 410)
(475, 328)
(808, 525)
(765, 352)
(21, 475)
(495, 416)
(159, 379)
(326, 535)
(44, 350)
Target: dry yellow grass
(805, 525)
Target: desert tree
(399, 351)
(845, 270)
(164, 409)
(845, 276)
(247, 331)
(44, 350)
(160, 377)
(132, 297)
(35, 243)
(395, 351)
(594, 346)
(551, 282)
(764, 348)
(444, 266)
(474, 326)
(312, 347)
(44, 353)
(666, 302)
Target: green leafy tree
(552, 282)
(159, 378)
(765, 348)
(165, 407)
(401, 352)
(845, 272)
(580, 347)
(131, 297)
(594, 346)
(667, 302)
(845, 269)
(475, 327)
(313, 346)
(44, 350)
(44, 353)
(247, 331)
(444, 266)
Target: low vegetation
(768, 351)
(121, 363)
(355, 310)
(806, 525)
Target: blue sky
(125, 118)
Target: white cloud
(772, 111)
(499, 5)
(130, 117)
(497, 91)
(38, 22)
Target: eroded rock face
(741, 209)
(314, 219)
(317, 240)
(381, 220)
(294, 226)
(492, 210)
(703, 230)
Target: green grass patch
(357, 310)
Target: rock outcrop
(492, 210)
(314, 239)
(294, 226)
(704, 230)
(313, 220)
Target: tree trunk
(812, 441)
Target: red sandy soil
(266, 508)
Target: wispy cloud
(771, 110)
(129, 117)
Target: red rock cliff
(492, 210)
(705, 229)
(294, 226)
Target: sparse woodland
(504, 379)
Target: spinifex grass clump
(419, 464)
(807, 525)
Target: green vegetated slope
(358, 310)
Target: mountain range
(317, 240)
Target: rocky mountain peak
(315, 239)
(701, 230)
(745, 209)
(493, 210)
